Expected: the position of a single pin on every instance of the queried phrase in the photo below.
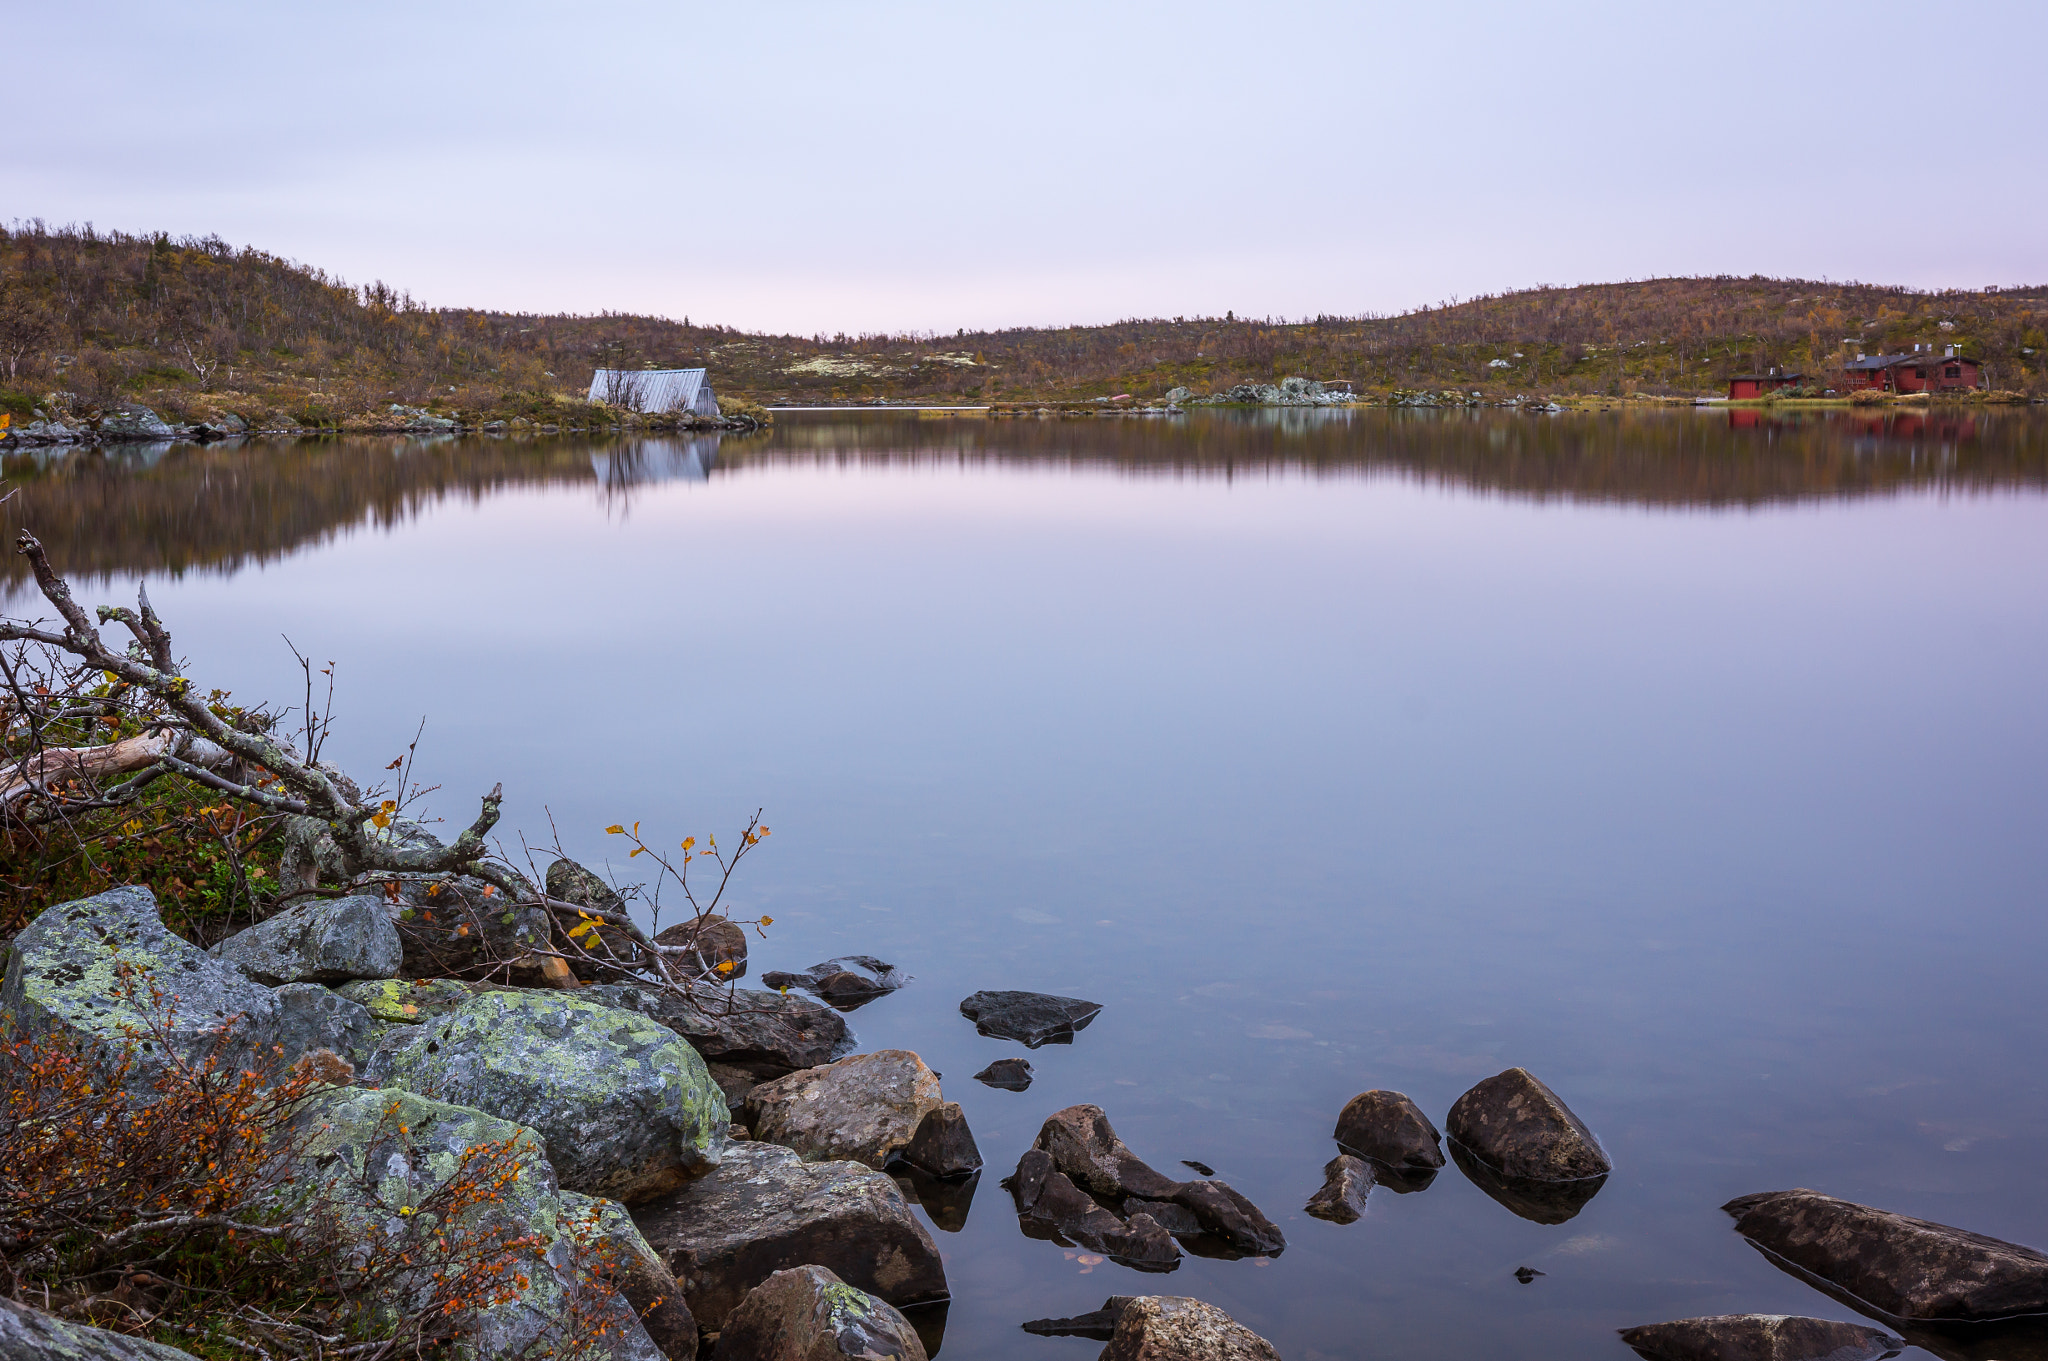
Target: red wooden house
(1743, 386)
(1919, 370)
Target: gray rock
(572, 883)
(1083, 1145)
(628, 1111)
(640, 1274)
(30, 1335)
(1522, 1130)
(312, 1017)
(808, 1314)
(848, 982)
(1050, 1206)
(862, 1108)
(130, 422)
(64, 976)
(1012, 1075)
(401, 1001)
(1346, 1181)
(1030, 1018)
(762, 1033)
(1759, 1337)
(1176, 1328)
(1178, 394)
(321, 940)
(1392, 1130)
(943, 1145)
(370, 1153)
(764, 1209)
(1905, 1269)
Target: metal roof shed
(655, 390)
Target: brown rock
(1540, 1202)
(863, 1108)
(1049, 1205)
(764, 1034)
(640, 1274)
(1175, 1328)
(1519, 1128)
(1390, 1129)
(943, 1145)
(1759, 1337)
(717, 947)
(1082, 1144)
(808, 1314)
(1346, 1180)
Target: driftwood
(37, 772)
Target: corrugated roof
(652, 389)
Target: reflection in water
(174, 508)
(945, 1199)
(2024, 1338)
(1539, 1202)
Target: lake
(1696, 762)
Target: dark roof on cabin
(1765, 377)
(1892, 361)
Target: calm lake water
(1697, 763)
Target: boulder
(1175, 1328)
(807, 1313)
(717, 947)
(847, 982)
(1084, 1146)
(405, 1001)
(321, 940)
(459, 927)
(1030, 1018)
(1521, 1129)
(572, 883)
(373, 1153)
(1050, 1206)
(1901, 1268)
(1391, 1130)
(93, 969)
(129, 422)
(1012, 1075)
(30, 1335)
(628, 1110)
(1540, 1202)
(312, 1017)
(942, 1144)
(735, 1083)
(1759, 1337)
(863, 1108)
(764, 1209)
(763, 1033)
(639, 1273)
(1346, 1181)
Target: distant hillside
(190, 325)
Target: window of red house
(1953, 371)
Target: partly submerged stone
(322, 940)
(1346, 1182)
(1523, 1130)
(763, 1209)
(106, 972)
(628, 1110)
(1391, 1130)
(944, 1200)
(766, 1034)
(1176, 1328)
(1050, 1206)
(1760, 1337)
(943, 1144)
(30, 1335)
(1906, 1269)
(1084, 1146)
(1012, 1075)
(1099, 1325)
(1030, 1018)
(807, 1313)
(312, 1017)
(406, 1001)
(847, 982)
(1538, 1201)
(863, 1108)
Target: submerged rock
(1346, 1181)
(1050, 1206)
(1759, 1337)
(764, 1209)
(1540, 1202)
(1391, 1130)
(943, 1145)
(863, 1108)
(1030, 1018)
(808, 1314)
(1176, 1328)
(847, 982)
(627, 1109)
(1012, 1075)
(1083, 1145)
(318, 941)
(30, 1335)
(766, 1034)
(1522, 1130)
(1099, 1326)
(1901, 1268)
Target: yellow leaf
(636, 851)
(380, 819)
(726, 966)
(767, 921)
(112, 679)
(688, 842)
(388, 806)
(614, 830)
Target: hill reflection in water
(177, 507)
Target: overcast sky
(803, 166)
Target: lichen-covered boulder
(766, 1034)
(372, 1158)
(627, 1109)
(405, 1001)
(1522, 1130)
(808, 1314)
(1176, 1328)
(764, 1209)
(312, 1017)
(105, 969)
(318, 941)
(863, 1108)
(639, 1273)
(30, 1335)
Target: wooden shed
(656, 391)
(1743, 386)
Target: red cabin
(1742, 386)
(1920, 370)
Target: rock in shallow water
(1392, 1130)
(1346, 1181)
(1030, 1018)
(1084, 1146)
(1050, 1206)
(1539, 1202)
(1522, 1130)
(1759, 1337)
(808, 1314)
(1175, 1328)
(319, 941)
(943, 1145)
(1012, 1075)
(864, 1108)
(847, 982)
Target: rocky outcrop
(763, 1210)
(1346, 1182)
(808, 1314)
(847, 982)
(1391, 1130)
(628, 1111)
(30, 1335)
(1175, 1328)
(1012, 1075)
(1894, 1266)
(1759, 1337)
(1030, 1018)
(863, 1108)
(312, 1017)
(1083, 1145)
(765, 1034)
(942, 1144)
(105, 968)
(1050, 1206)
(1523, 1131)
(320, 940)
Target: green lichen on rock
(30, 1335)
(628, 1110)
(404, 1001)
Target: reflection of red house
(1921, 370)
(1743, 385)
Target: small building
(656, 391)
(1918, 370)
(1744, 386)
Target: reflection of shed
(1742, 385)
(655, 390)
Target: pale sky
(802, 166)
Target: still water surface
(1697, 765)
